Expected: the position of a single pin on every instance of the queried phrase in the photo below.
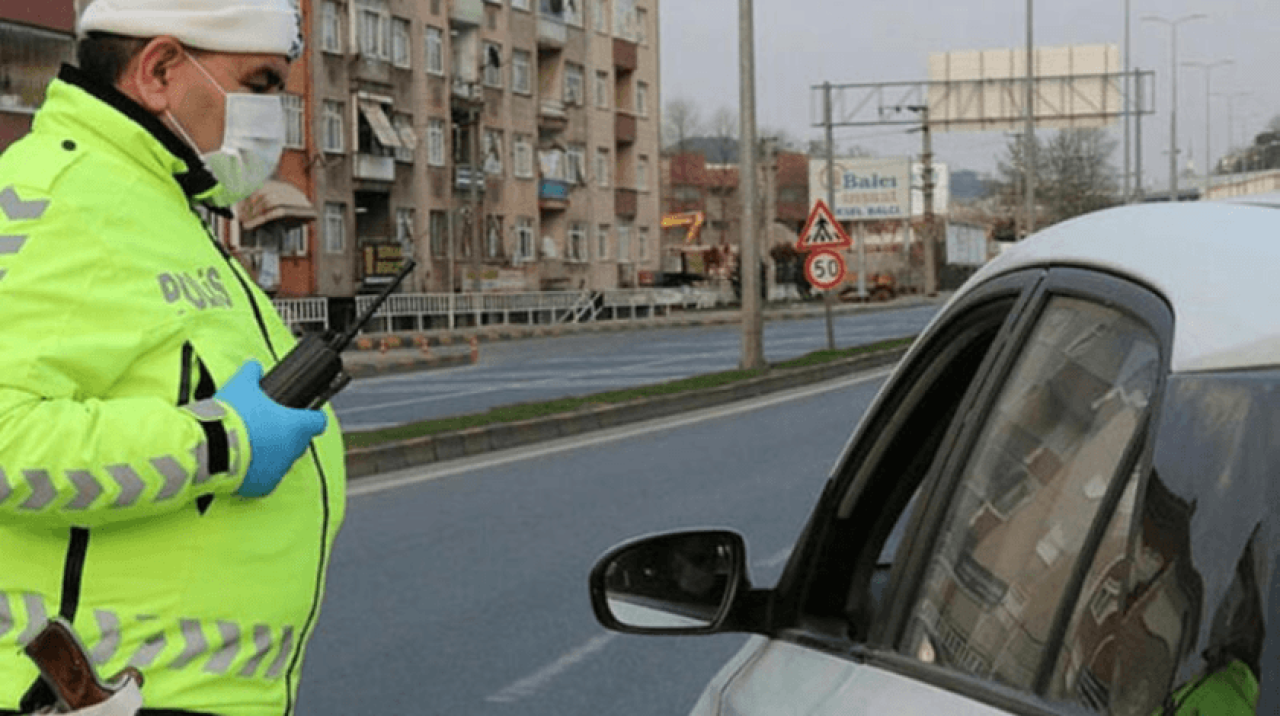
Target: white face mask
(252, 142)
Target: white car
(1064, 500)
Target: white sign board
(966, 245)
(867, 189)
(941, 189)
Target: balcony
(372, 168)
(553, 194)
(462, 178)
(624, 127)
(468, 13)
(552, 33)
(625, 201)
(625, 56)
(552, 116)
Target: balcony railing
(375, 168)
(625, 56)
(552, 33)
(553, 194)
(624, 127)
(625, 201)
(462, 178)
(466, 12)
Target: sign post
(825, 267)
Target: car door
(947, 555)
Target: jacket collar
(189, 172)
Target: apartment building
(507, 145)
(35, 39)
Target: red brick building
(36, 37)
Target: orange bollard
(383, 346)
(475, 349)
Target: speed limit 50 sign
(824, 269)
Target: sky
(801, 43)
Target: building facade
(507, 145)
(35, 39)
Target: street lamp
(1208, 68)
(1173, 107)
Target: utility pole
(749, 265)
(930, 233)
(1127, 195)
(1029, 129)
(827, 296)
(1173, 106)
(1208, 68)
(1138, 192)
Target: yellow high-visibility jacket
(120, 316)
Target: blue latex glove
(277, 435)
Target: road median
(375, 452)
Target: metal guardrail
(556, 306)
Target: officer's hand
(277, 435)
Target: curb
(364, 462)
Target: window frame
(491, 75)
(295, 124)
(334, 126)
(855, 480)
(335, 211)
(437, 156)
(330, 28)
(433, 42)
(604, 98)
(521, 70)
(522, 157)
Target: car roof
(1217, 263)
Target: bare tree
(680, 121)
(723, 129)
(1073, 174)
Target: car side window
(1047, 458)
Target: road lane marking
(414, 476)
(530, 685)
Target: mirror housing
(677, 583)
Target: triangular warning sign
(822, 231)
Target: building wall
(36, 38)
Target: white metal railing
(312, 313)
(421, 308)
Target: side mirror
(681, 583)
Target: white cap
(240, 26)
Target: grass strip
(527, 411)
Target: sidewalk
(387, 353)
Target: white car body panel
(770, 678)
(1173, 249)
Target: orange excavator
(692, 219)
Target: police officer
(150, 493)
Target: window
(1050, 453)
(294, 242)
(294, 131)
(642, 20)
(686, 192)
(573, 79)
(493, 237)
(520, 72)
(522, 158)
(405, 230)
(519, 4)
(642, 173)
(400, 42)
(600, 15)
(439, 229)
(493, 151)
(435, 51)
(335, 227)
(602, 168)
(602, 242)
(578, 243)
(573, 12)
(526, 249)
(330, 27)
(435, 142)
(374, 29)
(624, 243)
(492, 64)
(602, 89)
(577, 163)
(408, 136)
(642, 99)
(624, 19)
(333, 127)
(642, 243)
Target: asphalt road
(543, 369)
(462, 588)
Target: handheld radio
(312, 372)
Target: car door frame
(881, 648)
